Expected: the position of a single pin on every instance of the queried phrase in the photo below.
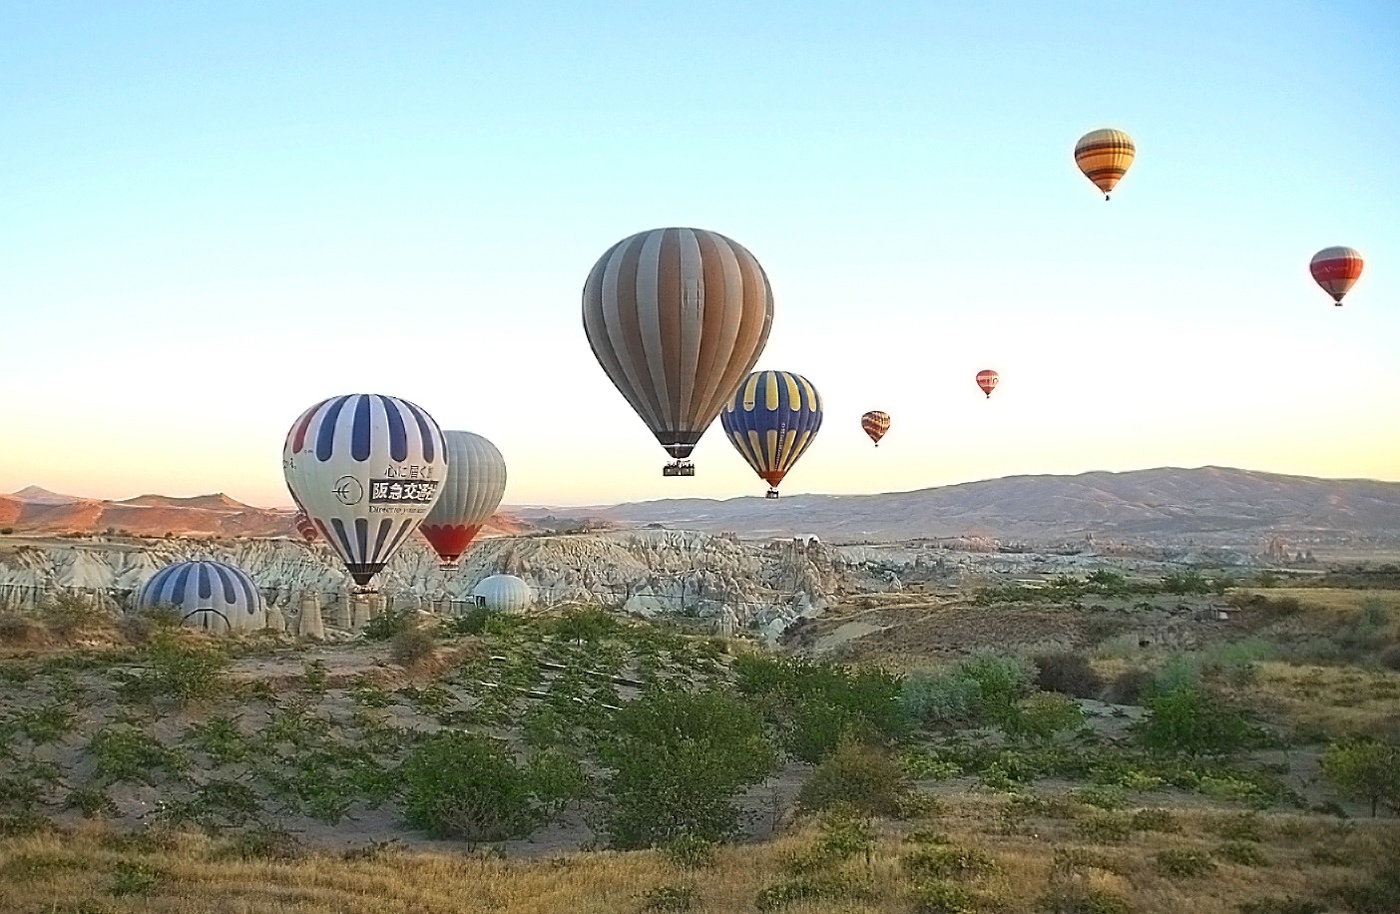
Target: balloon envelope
(677, 317)
(214, 596)
(366, 468)
(875, 423)
(471, 493)
(771, 420)
(1104, 157)
(305, 526)
(1336, 270)
(987, 380)
(503, 593)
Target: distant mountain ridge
(1166, 502)
(33, 510)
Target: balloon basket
(356, 589)
(679, 468)
(771, 493)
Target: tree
(467, 786)
(678, 759)
(1365, 769)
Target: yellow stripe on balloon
(751, 391)
(813, 399)
(770, 455)
(755, 455)
(770, 389)
(785, 463)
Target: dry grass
(1304, 855)
(1330, 700)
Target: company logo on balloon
(394, 492)
(348, 490)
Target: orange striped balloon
(987, 380)
(875, 424)
(1336, 270)
(1104, 157)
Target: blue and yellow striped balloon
(771, 420)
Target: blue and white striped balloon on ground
(214, 596)
(366, 468)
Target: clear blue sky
(213, 215)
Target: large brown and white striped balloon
(1104, 157)
(677, 317)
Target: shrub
(471, 622)
(16, 628)
(1161, 820)
(678, 759)
(188, 673)
(1042, 715)
(1242, 852)
(386, 625)
(1129, 686)
(817, 704)
(1180, 862)
(467, 786)
(668, 898)
(1079, 900)
(948, 861)
(134, 877)
(1390, 657)
(692, 853)
(939, 897)
(1364, 769)
(825, 887)
(1067, 673)
(410, 646)
(1288, 905)
(1186, 717)
(933, 699)
(864, 776)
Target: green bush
(1129, 686)
(1186, 717)
(816, 705)
(461, 785)
(1242, 852)
(386, 625)
(827, 887)
(1364, 769)
(1043, 715)
(188, 673)
(948, 861)
(678, 759)
(1182, 862)
(863, 776)
(937, 896)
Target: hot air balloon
(771, 420)
(471, 493)
(1104, 157)
(1336, 270)
(677, 317)
(503, 593)
(987, 380)
(305, 526)
(366, 468)
(875, 424)
(215, 596)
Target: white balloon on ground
(503, 593)
(366, 468)
(213, 596)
